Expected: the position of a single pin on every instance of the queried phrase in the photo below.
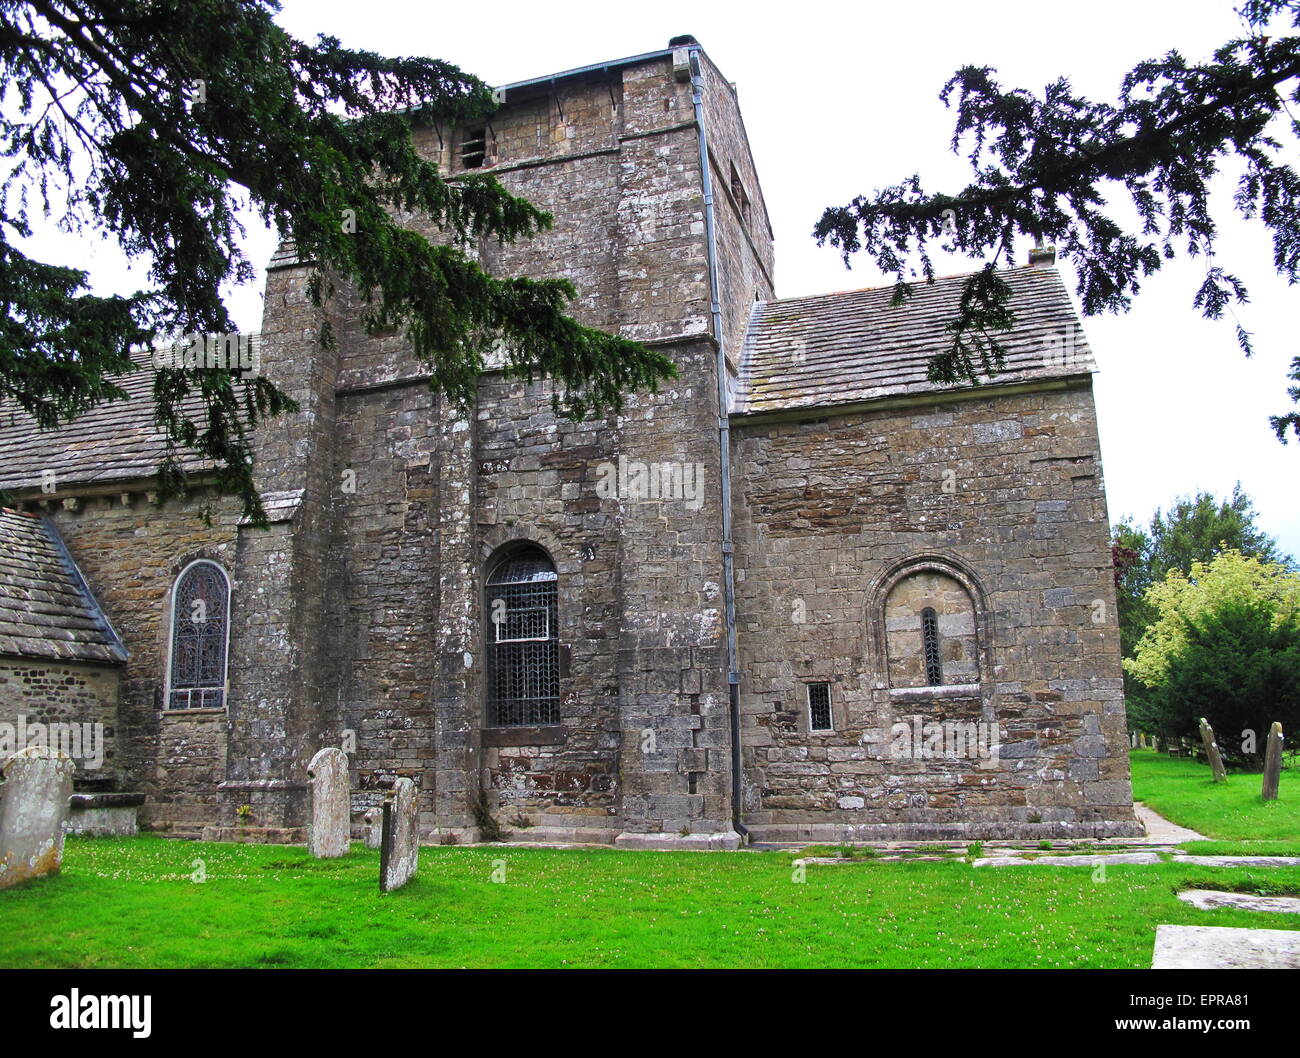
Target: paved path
(1160, 831)
(1068, 861)
(1238, 861)
(1224, 948)
(1213, 899)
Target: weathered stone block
(33, 806)
(327, 776)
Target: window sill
(550, 735)
(925, 694)
(217, 711)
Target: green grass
(131, 903)
(1182, 790)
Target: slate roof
(46, 608)
(116, 441)
(855, 346)
(810, 352)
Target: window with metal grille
(523, 641)
(930, 638)
(819, 706)
(200, 637)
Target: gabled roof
(855, 346)
(46, 608)
(116, 441)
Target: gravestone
(1212, 751)
(399, 853)
(373, 821)
(1273, 762)
(33, 807)
(331, 809)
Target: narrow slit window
(738, 193)
(930, 636)
(819, 706)
(473, 148)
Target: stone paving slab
(1225, 948)
(1213, 899)
(1238, 861)
(1068, 861)
(835, 860)
(1161, 831)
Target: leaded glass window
(819, 706)
(930, 636)
(523, 641)
(200, 634)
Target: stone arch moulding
(948, 566)
(497, 539)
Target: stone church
(800, 594)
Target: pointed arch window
(523, 645)
(200, 638)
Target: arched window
(930, 630)
(199, 639)
(523, 640)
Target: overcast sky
(840, 99)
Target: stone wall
(999, 498)
(131, 551)
(67, 693)
(746, 255)
(643, 739)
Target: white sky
(840, 99)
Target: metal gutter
(724, 441)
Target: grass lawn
(1182, 790)
(130, 902)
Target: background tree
(1185, 659)
(153, 121)
(1194, 529)
(1043, 164)
(1239, 667)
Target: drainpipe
(724, 443)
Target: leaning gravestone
(33, 806)
(399, 854)
(1273, 762)
(331, 810)
(373, 821)
(1212, 751)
